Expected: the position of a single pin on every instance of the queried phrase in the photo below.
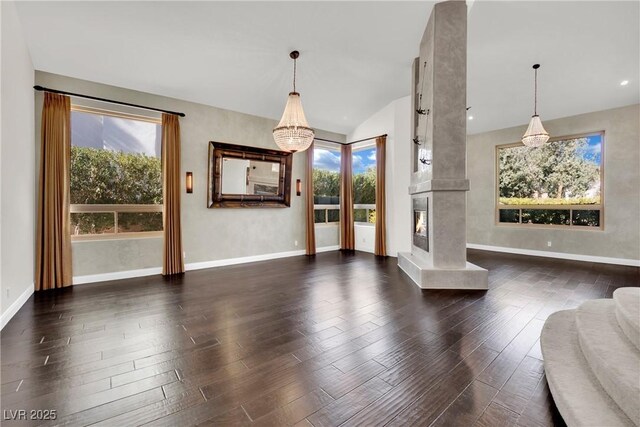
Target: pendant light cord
(294, 74)
(535, 93)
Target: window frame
(366, 206)
(115, 208)
(325, 207)
(570, 208)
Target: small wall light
(298, 187)
(189, 182)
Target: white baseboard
(93, 278)
(558, 255)
(116, 275)
(17, 305)
(241, 260)
(328, 249)
(253, 258)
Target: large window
(558, 184)
(364, 185)
(116, 175)
(326, 184)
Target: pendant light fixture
(293, 132)
(535, 136)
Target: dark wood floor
(342, 339)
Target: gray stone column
(438, 183)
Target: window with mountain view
(558, 184)
(116, 175)
(326, 184)
(364, 185)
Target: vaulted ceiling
(355, 56)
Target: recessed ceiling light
(470, 117)
(624, 82)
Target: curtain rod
(95, 98)
(352, 142)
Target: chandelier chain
(535, 93)
(294, 74)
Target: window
(326, 184)
(116, 175)
(558, 184)
(364, 185)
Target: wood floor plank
(340, 338)
(401, 396)
(339, 411)
(429, 406)
(497, 374)
(468, 406)
(497, 416)
(518, 390)
(540, 411)
(296, 411)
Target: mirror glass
(240, 176)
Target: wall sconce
(189, 182)
(298, 187)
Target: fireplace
(421, 223)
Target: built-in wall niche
(248, 177)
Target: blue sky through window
(330, 159)
(593, 152)
(115, 134)
(364, 159)
(326, 159)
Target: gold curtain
(381, 210)
(172, 260)
(53, 235)
(347, 232)
(310, 213)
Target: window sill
(548, 227)
(119, 236)
(327, 224)
(364, 224)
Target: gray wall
(621, 235)
(18, 172)
(208, 234)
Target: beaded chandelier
(535, 136)
(293, 132)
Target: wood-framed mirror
(248, 177)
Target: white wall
(394, 121)
(17, 166)
(209, 235)
(620, 238)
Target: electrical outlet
(184, 255)
(295, 243)
(549, 243)
(8, 292)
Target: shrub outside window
(559, 184)
(116, 175)
(326, 184)
(364, 185)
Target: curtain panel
(309, 211)
(172, 259)
(53, 232)
(347, 231)
(381, 209)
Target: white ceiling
(355, 56)
(585, 48)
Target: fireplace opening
(421, 223)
